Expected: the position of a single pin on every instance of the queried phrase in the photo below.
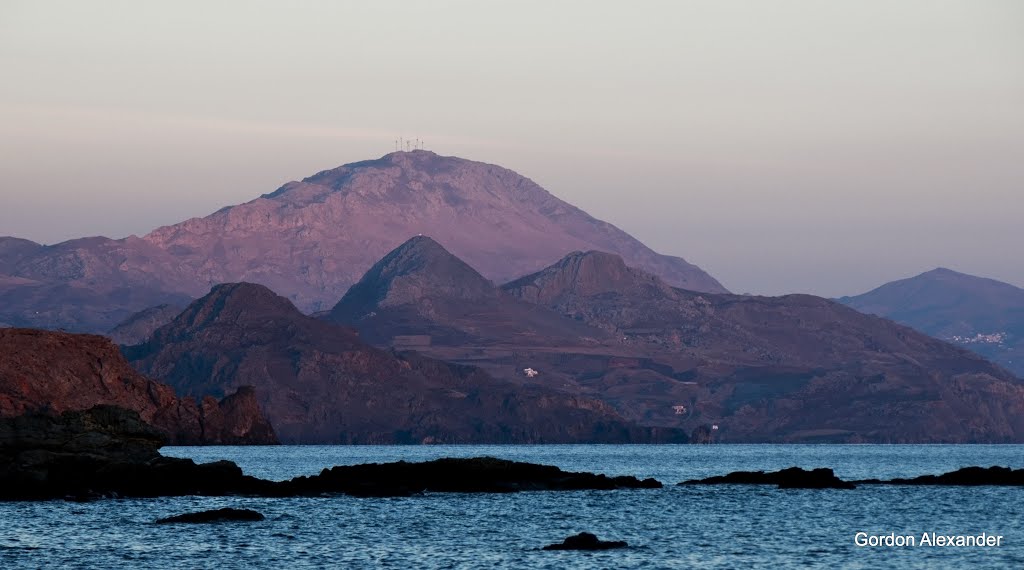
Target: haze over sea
(673, 527)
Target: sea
(744, 527)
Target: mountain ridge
(791, 368)
(311, 239)
(982, 314)
(320, 383)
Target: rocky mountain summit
(729, 367)
(310, 240)
(421, 288)
(982, 315)
(321, 383)
(54, 372)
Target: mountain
(54, 372)
(320, 383)
(792, 368)
(141, 325)
(420, 288)
(311, 240)
(983, 315)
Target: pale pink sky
(784, 146)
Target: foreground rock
(214, 516)
(797, 478)
(791, 478)
(110, 452)
(102, 452)
(966, 477)
(586, 541)
(473, 475)
(58, 372)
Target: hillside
(320, 383)
(310, 240)
(982, 315)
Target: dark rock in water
(110, 452)
(463, 475)
(102, 452)
(791, 478)
(586, 541)
(218, 515)
(966, 476)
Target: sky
(783, 146)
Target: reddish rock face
(57, 372)
(311, 240)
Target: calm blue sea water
(674, 527)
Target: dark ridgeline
(55, 372)
(319, 382)
(982, 315)
(792, 368)
(311, 240)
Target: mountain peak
(312, 239)
(419, 268)
(585, 274)
(243, 304)
(944, 272)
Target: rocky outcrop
(215, 516)
(473, 475)
(321, 383)
(55, 372)
(311, 240)
(964, 477)
(110, 452)
(586, 541)
(823, 478)
(791, 478)
(105, 451)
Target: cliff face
(311, 240)
(54, 372)
(320, 383)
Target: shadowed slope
(320, 383)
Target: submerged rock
(586, 541)
(217, 515)
(791, 478)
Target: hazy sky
(784, 146)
